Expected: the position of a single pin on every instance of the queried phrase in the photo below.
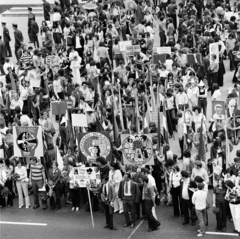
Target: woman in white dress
(96, 42)
(75, 66)
(115, 177)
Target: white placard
(164, 50)
(123, 44)
(79, 120)
(214, 49)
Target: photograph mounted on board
(232, 107)
(93, 145)
(218, 110)
(137, 149)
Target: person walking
(129, 194)
(7, 39)
(46, 10)
(3, 54)
(108, 197)
(199, 199)
(34, 33)
(18, 39)
(38, 181)
(148, 196)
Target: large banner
(27, 141)
(93, 145)
(84, 177)
(137, 149)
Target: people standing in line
(18, 39)
(7, 39)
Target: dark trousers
(138, 206)
(129, 211)
(9, 185)
(55, 202)
(174, 17)
(153, 223)
(202, 103)
(36, 42)
(163, 38)
(38, 185)
(8, 48)
(75, 195)
(109, 215)
(171, 121)
(231, 59)
(187, 207)
(2, 199)
(221, 216)
(2, 61)
(16, 49)
(176, 200)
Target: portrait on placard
(218, 110)
(232, 107)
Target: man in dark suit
(34, 33)
(78, 43)
(31, 17)
(129, 193)
(3, 54)
(7, 39)
(18, 38)
(108, 196)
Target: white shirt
(56, 17)
(163, 73)
(185, 194)
(216, 95)
(127, 193)
(199, 199)
(25, 119)
(168, 64)
(175, 179)
(78, 45)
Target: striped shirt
(36, 172)
(26, 59)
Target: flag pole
(90, 205)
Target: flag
(159, 133)
(145, 126)
(201, 150)
(165, 128)
(120, 109)
(137, 115)
(116, 134)
(99, 126)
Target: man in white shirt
(181, 99)
(56, 15)
(199, 199)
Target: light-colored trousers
(118, 206)
(235, 211)
(22, 188)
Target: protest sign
(218, 110)
(131, 50)
(34, 78)
(93, 145)
(123, 44)
(84, 177)
(164, 50)
(58, 107)
(28, 141)
(79, 120)
(214, 50)
(137, 149)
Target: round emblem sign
(137, 149)
(93, 145)
(27, 141)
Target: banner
(28, 141)
(93, 145)
(34, 78)
(137, 149)
(123, 44)
(84, 177)
(164, 50)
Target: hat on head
(4, 23)
(201, 83)
(29, 8)
(14, 25)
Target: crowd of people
(77, 54)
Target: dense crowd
(78, 57)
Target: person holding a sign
(213, 70)
(108, 197)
